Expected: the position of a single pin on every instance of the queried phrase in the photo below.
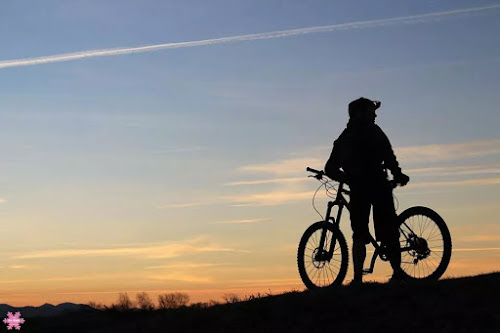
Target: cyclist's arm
(333, 165)
(390, 160)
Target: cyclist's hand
(401, 179)
(319, 176)
(339, 176)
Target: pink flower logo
(13, 320)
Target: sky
(161, 146)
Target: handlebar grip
(313, 170)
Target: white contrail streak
(241, 38)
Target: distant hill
(469, 304)
(45, 310)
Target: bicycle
(323, 257)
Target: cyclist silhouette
(360, 158)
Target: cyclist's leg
(386, 225)
(360, 215)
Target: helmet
(362, 105)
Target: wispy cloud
(247, 221)
(284, 167)
(456, 170)
(481, 238)
(22, 267)
(407, 155)
(270, 198)
(185, 265)
(447, 152)
(268, 181)
(474, 249)
(167, 250)
(241, 38)
(465, 182)
(177, 150)
(114, 276)
(179, 276)
(273, 198)
(187, 204)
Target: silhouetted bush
(144, 302)
(124, 303)
(213, 302)
(231, 298)
(97, 306)
(172, 300)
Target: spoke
(429, 269)
(314, 273)
(336, 268)
(319, 276)
(440, 237)
(432, 262)
(327, 276)
(420, 224)
(328, 270)
(426, 224)
(433, 230)
(434, 254)
(323, 271)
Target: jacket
(364, 152)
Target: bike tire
(426, 224)
(327, 273)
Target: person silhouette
(360, 157)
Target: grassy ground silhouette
(452, 305)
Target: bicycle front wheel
(425, 243)
(316, 268)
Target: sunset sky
(141, 152)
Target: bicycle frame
(341, 202)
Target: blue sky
(138, 149)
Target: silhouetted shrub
(213, 302)
(231, 298)
(124, 303)
(97, 306)
(144, 302)
(172, 300)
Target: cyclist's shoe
(398, 278)
(356, 282)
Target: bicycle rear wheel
(425, 243)
(315, 269)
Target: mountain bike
(322, 257)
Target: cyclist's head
(363, 109)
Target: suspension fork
(334, 236)
(320, 254)
(323, 254)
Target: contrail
(242, 38)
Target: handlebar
(319, 175)
(314, 170)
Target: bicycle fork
(323, 254)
